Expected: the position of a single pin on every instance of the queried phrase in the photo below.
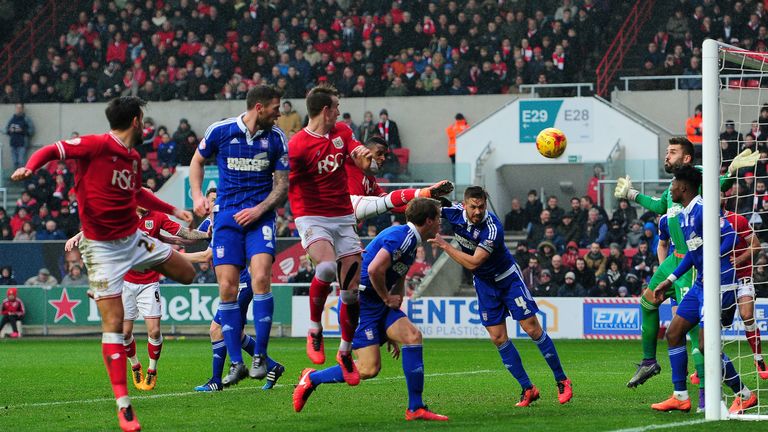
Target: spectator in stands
(19, 129)
(205, 274)
(635, 234)
(643, 261)
(167, 152)
(693, 131)
(576, 210)
(457, 127)
(533, 206)
(536, 229)
(760, 276)
(6, 276)
(571, 255)
(75, 277)
(729, 142)
(653, 55)
(346, 118)
(551, 235)
(186, 149)
(521, 252)
(68, 222)
(601, 288)
(388, 130)
(289, 120)
(546, 287)
(693, 69)
(12, 311)
(516, 219)
(418, 271)
(584, 275)
(595, 260)
(651, 235)
(614, 274)
(26, 233)
(557, 270)
(43, 278)
(367, 128)
(51, 232)
(625, 213)
(616, 235)
(568, 230)
(595, 231)
(531, 273)
(571, 288)
(5, 220)
(5, 233)
(593, 187)
(147, 171)
(545, 251)
(677, 25)
(555, 212)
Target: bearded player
(369, 199)
(680, 152)
(141, 295)
(319, 196)
(108, 190)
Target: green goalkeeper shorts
(681, 285)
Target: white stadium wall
(592, 127)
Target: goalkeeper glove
(624, 189)
(747, 158)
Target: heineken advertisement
(182, 304)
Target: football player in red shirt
(108, 189)
(319, 197)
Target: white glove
(624, 189)
(744, 159)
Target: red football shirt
(151, 223)
(318, 181)
(743, 232)
(106, 184)
(360, 183)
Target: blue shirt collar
(244, 129)
(415, 231)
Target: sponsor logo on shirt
(400, 268)
(123, 179)
(465, 243)
(246, 164)
(330, 164)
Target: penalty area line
(230, 389)
(662, 426)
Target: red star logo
(65, 308)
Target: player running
(141, 294)
(747, 246)
(369, 199)
(500, 289)
(385, 263)
(108, 190)
(319, 196)
(685, 190)
(679, 152)
(251, 154)
(244, 298)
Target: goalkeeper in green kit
(679, 152)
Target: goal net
(733, 97)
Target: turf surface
(61, 384)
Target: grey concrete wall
(421, 120)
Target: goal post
(731, 89)
(711, 193)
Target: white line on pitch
(166, 395)
(662, 426)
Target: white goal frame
(713, 52)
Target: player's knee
(154, 333)
(127, 335)
(674, 337)
(348, 296)
(368, 371)
(260, 283)
(326, 271)
(499, 339)
(412, 337)
(215, 331)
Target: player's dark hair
(376, 140)
(689, 175)
(262, 94)
(320, 97)
(420, 209)
(210, 191)
(683, 142)
(122, 110)
(476, 192)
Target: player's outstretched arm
(145, 198)
(469, 262)
(193, 234)
(73, 242)
(198, 257)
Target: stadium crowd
(218, 49)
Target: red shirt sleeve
(168, 225)
(348, 136)
(81, 147)
(743, 229)
(148, 200)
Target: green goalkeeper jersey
(672, 209)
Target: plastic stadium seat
(753, 83)
(403, 156)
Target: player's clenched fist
(183, 215)
(201, 206)
(394, 301)
(21, 174)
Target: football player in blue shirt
(252, 157)
(500, 288)
(386, 261)
(244, 298)
(685, 190)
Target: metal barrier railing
(678, 78)
(577, 86)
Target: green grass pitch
(61, 384)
